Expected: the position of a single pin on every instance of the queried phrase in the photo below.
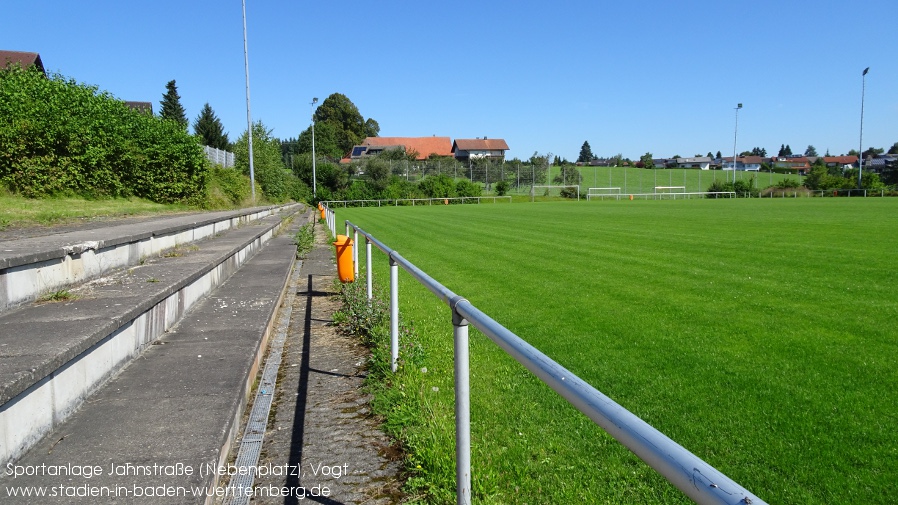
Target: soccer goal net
(555, 191)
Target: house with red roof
(423, 147)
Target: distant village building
(424, 147)
(468, 149)
(700, 162)
(146, 107)
(743, 163)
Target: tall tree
(647, 161)
(810, 151)
(350, 126)
(894, 148)
(782, 151)
(788, 150)
(873, 152)
(585, 153)
(718, 155)
(208, 127)
(171, 105)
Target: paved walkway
(321, 422)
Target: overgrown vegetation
(276, 181)
(400, 398)
(62, 295)
(61, 138)
(20, 211)
(305, 240)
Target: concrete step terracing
(34, 266)
(53, 355)
(159, 431)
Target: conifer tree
(585, 153)
(171, 105)
(209, 128)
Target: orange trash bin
(345, 270)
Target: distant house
(799, 164)
(22, 59)
(700, 162)
(878, 164)
(844, 162)
(467, 149)
(423, 146)
(745, 163)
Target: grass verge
(18, 211)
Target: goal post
(603, 192)
(553, 191)
(670, 189)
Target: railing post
(368, 274)
(394, 313)
(462, 406)
(355, 252)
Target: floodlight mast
(249, 117)
(735, 133)
(860, 151)
(314, 177)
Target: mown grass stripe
(758, 334)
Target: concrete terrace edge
(44, 404)
(229, 436)
(220, 268)
(25, 277)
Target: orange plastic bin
(345, 270)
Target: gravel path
(321, 423)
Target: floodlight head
(739, 106)
(314, 101)
(866, 70)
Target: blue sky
(629, 77)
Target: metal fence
(219, 157)
(697, 479)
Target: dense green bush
(59, 137)
(227, 188)
(742, 189)
(439, 186)
(465, 187)
(277, 182)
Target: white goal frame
(533, 190)
(682, 188)
(613, 191)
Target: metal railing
(413, 201)
(690, 474)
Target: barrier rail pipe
(690, 474)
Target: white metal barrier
(415, 201)
(690, 474)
